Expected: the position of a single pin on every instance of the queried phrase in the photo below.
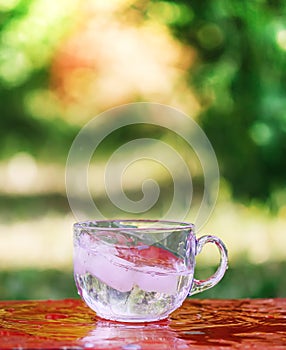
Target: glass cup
(139, 270)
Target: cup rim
(170, 225)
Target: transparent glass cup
(139, 270)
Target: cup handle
(201, 285)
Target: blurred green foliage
(239, 77)
(29, 38)
(35, 284)
(23, 207)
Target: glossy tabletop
(198, 324)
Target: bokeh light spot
(22, 171)
(281, 39)
(7, 5)
(210, 36)
(42, 104)
(261, 134)
(15, 66)
(169, 12)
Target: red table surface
(198, 324)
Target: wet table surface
(198, 324)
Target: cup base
(130, 319)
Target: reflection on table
(198, 324)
